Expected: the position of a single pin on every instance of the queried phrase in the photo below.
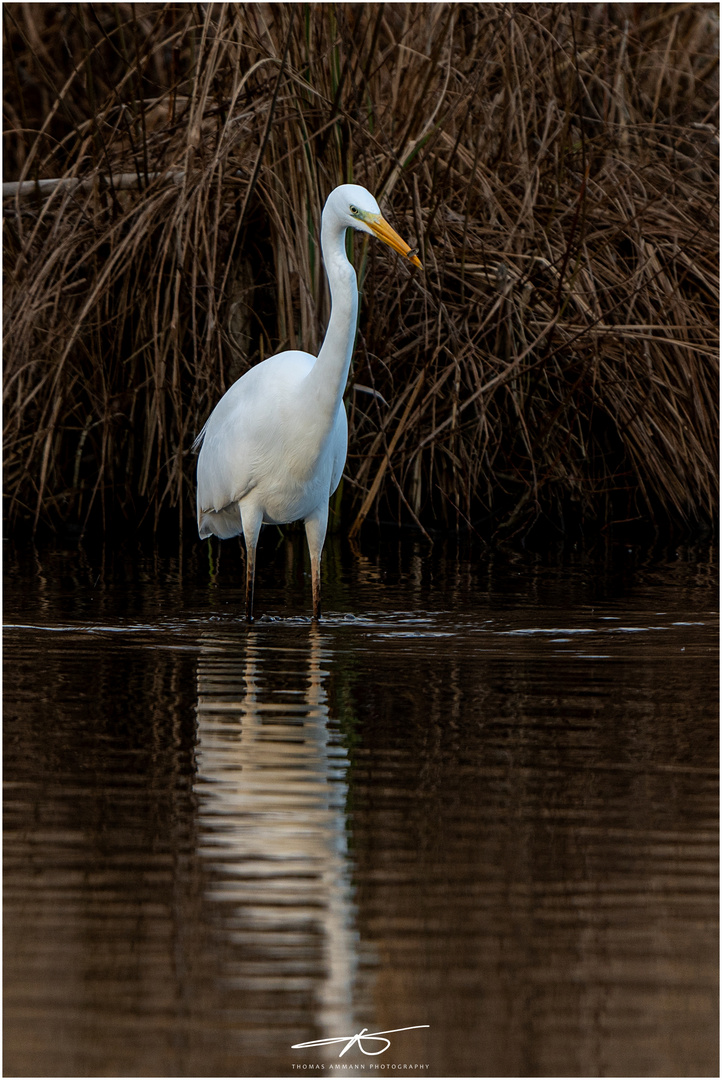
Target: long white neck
(327, 378)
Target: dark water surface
(481, 796)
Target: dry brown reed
(556, 164)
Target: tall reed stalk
(556, 164)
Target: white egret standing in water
(274, 448)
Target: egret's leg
(315, 535)
(251, 520)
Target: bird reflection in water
(271, 780)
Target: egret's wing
(225, 462)
(224, 524)
(233, 441)
(340, 446)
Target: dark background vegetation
(556, 363)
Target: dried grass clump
(557, 165)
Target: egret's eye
(354, 210)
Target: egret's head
(355, 208)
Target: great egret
(274, 447)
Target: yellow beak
(383, 230)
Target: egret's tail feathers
(222, 523)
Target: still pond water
(481, 797)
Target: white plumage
(274, 448)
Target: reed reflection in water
(481, 796)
